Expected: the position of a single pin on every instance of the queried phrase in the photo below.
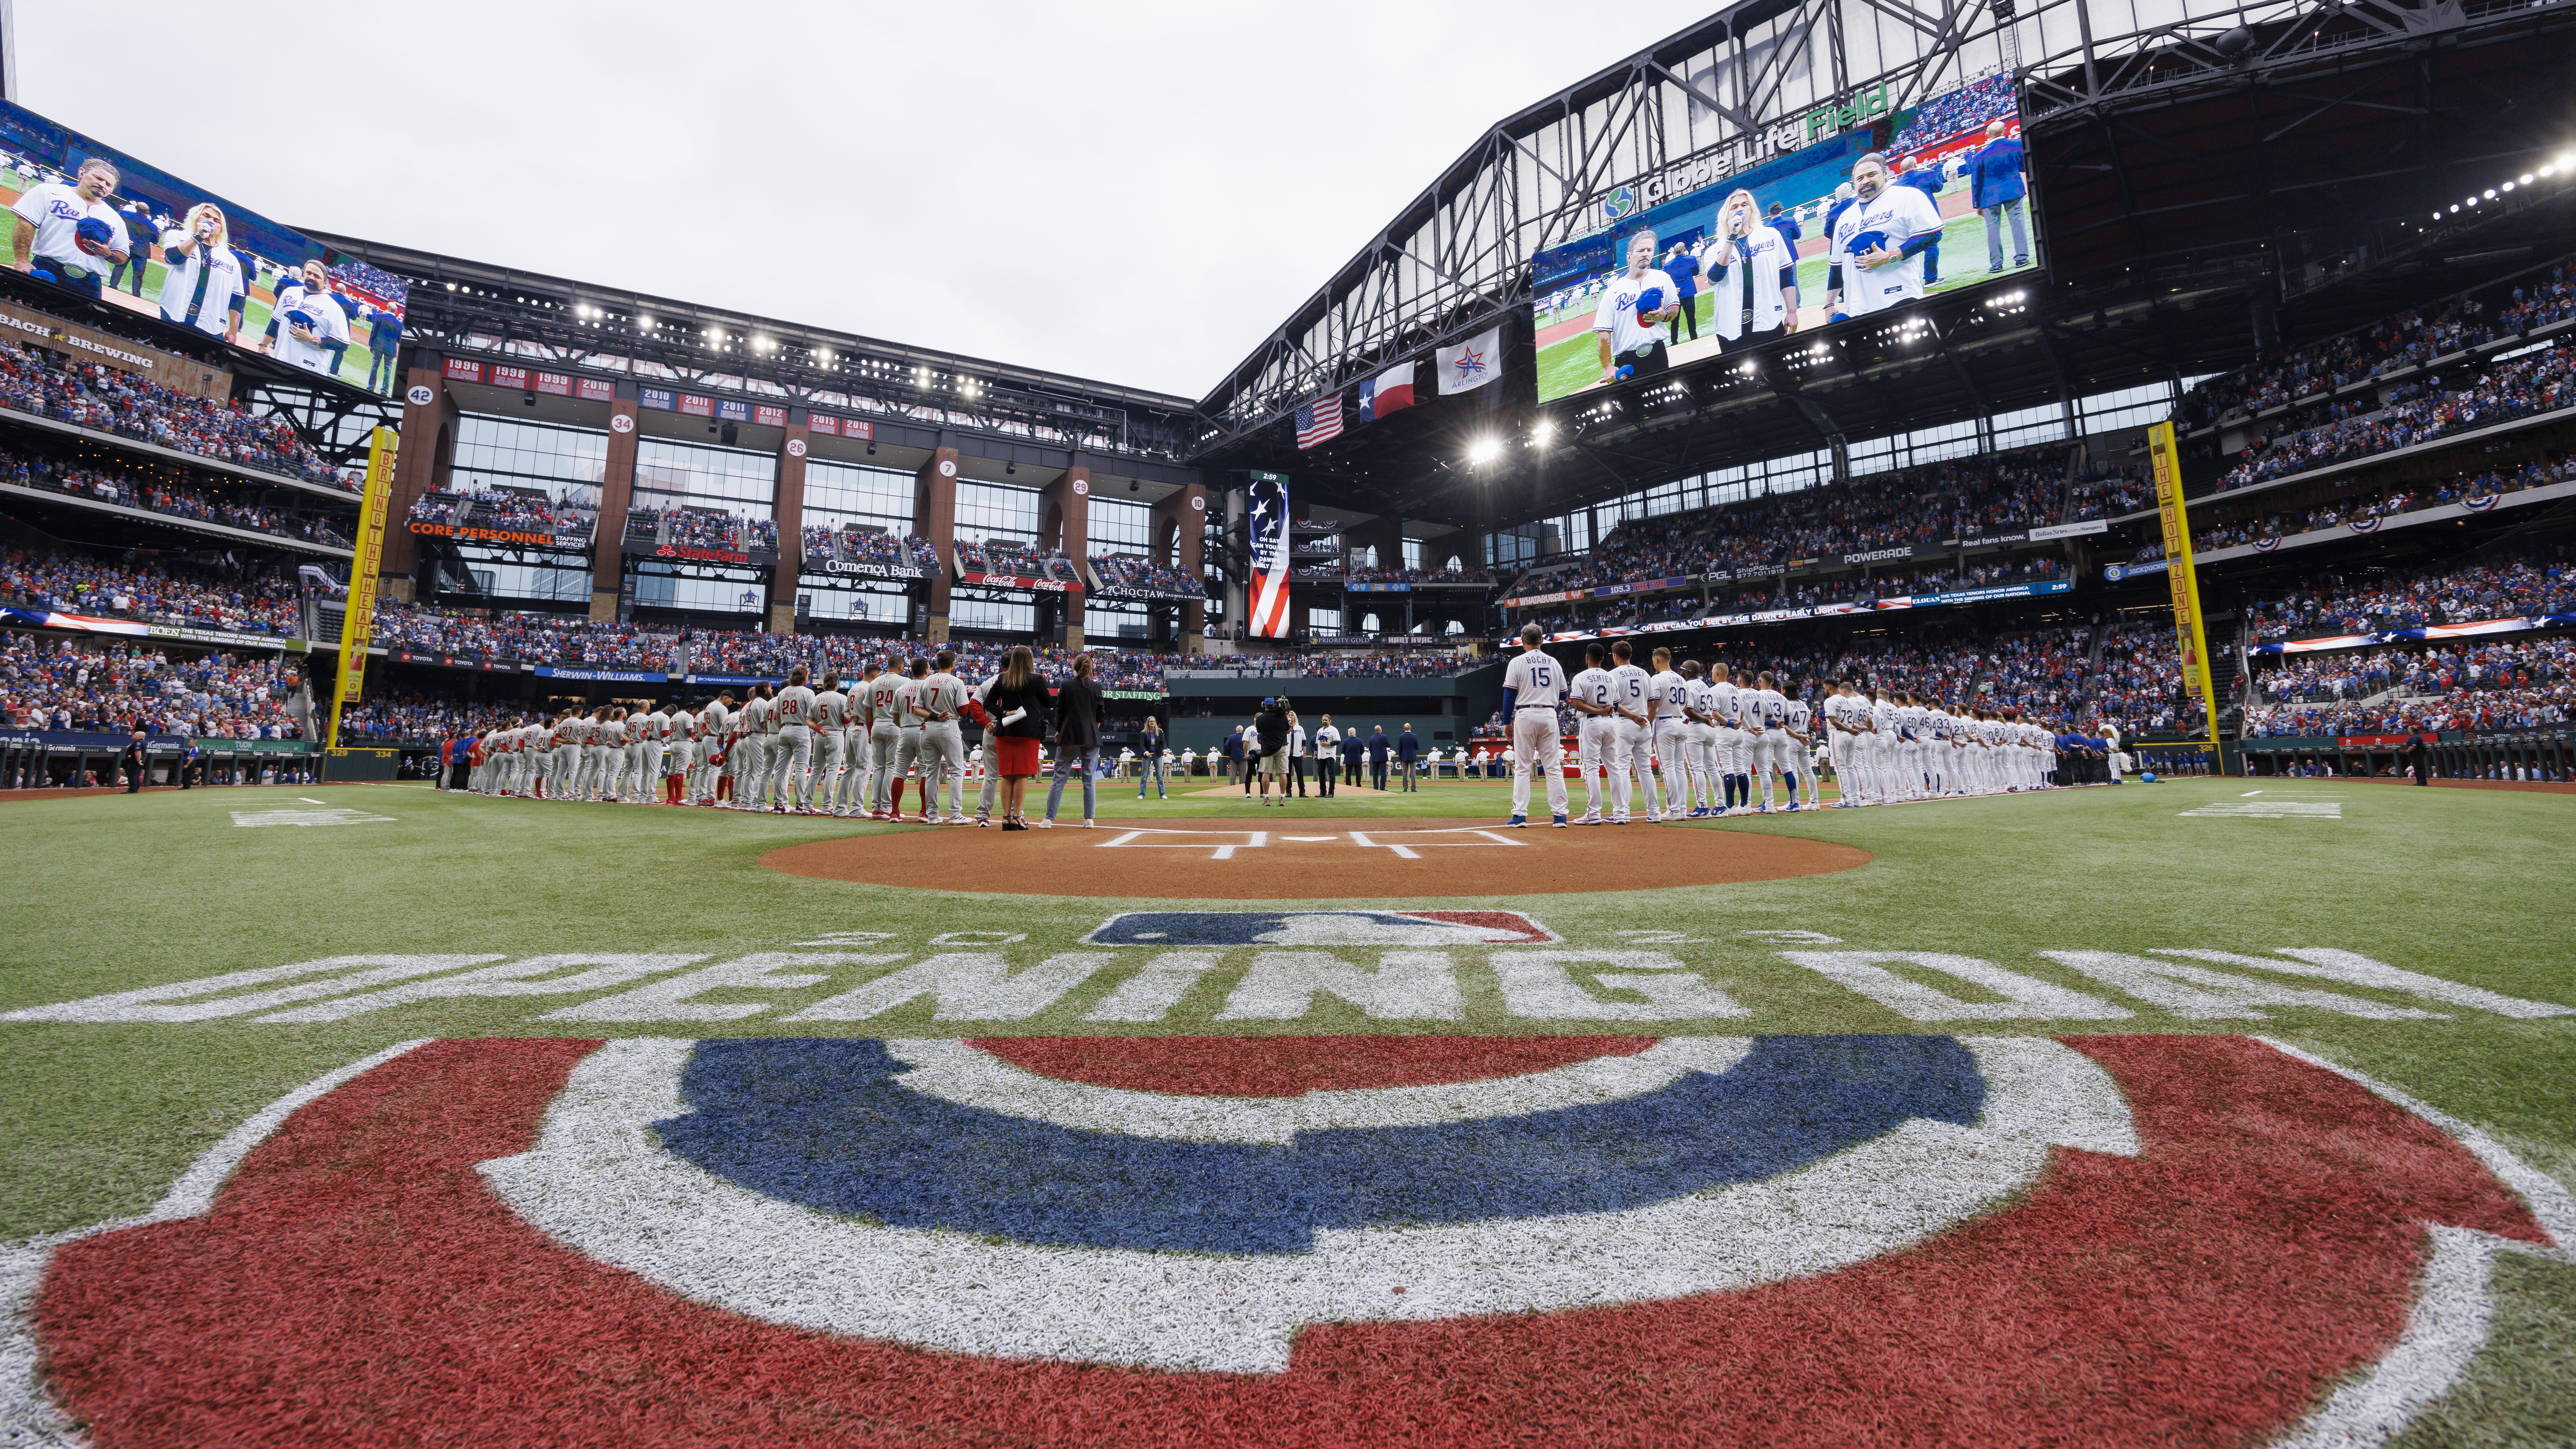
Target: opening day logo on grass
(1822, 1240)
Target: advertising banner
(108, 228)
(180, 374)
(2085, 529)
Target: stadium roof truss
(1455, 260)
(500, 314)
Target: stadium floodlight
(2490, 193)
(1484, 450)
(647, 323)
(1540, 432)
(2526, 178)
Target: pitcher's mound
(1312, 859)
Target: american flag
(1319, 421)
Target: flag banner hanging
(1319, 421)
(1269, 525)
(1472, 363)
(1389, 391)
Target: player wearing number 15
(1532, 686)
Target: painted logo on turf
(1156, 1240)
(1321, 928)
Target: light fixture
(1540, 432)
(1484, 450)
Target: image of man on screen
(1996, 189)
(1877, 253)
(307, 329)
(202, 279)
(1629, 322)
(69, 235)
(1752, 273)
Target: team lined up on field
(788, 750)
(1713, 740)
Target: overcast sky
(1135, 193)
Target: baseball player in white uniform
(1631, 752)
(1597, 737)
(879, 707)
(1802, 737)
(709, 751)
(792, 756)
(1767, 722)
(1667, 694)
(1699, 706)
(1727, 709)
(831, 743)
(1532, 686)
(1877, 243)
(939, 699)
(748, 756)
(907, 746)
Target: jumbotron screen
(95, 222)
(1891, 206)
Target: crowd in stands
(423, 717)
(2414, 601)
(1126, 573)
(2467, 685)
(532, 638)
(1978, 497)
(76, 481)
(2408, 339)
(2387, 502)
(505, 509)
(242, 601)
(1011, 558)
(1460, 575)
(1956, 112)
(68, 684)
(693, 528)
(2542, 382)
(857, 545)
(103, 399)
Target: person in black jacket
(134, 762)
(1077, 741)
(1149, 761)
(1018, 705)
(1270, 748)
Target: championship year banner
(357, 624)
(2176, 521)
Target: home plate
(1326, 860)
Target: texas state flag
(1389, 391)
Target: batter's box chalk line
(1403, 848)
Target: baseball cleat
(1520, 821)
(1558, 822)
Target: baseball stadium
(1864, 741)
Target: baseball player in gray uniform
(939, 699)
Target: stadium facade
(2206, 190)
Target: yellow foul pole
(2186, 587)
(357, 627)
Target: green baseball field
(2204, 1112)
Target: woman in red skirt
(1018, 705)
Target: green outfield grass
(115, 893)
